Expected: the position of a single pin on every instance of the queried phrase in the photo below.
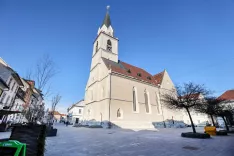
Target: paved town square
(72, 141)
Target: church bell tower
(105, 44)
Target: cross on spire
(107, 20)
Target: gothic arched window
(134, 100)
(96, 47)
(158, 103)
(119, 113)
(146, 102)
(109, 45)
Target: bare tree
(44, 71)
(211, 107)
(29, 74)
(54, 102)
(187, 97)
(35, 112)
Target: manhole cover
(190, 148)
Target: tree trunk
(227, 128)
(194, 130)
(211, 116)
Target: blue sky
(192, 39)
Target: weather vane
(107, 8)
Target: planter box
(195, 135)
(210, 130)
(3, 127)
(221, 133)
(52, 132)
(33, 136)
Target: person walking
(66, 123)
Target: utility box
(12, 148)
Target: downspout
(109, 124)
(161, 105)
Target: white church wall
(167, 86)
(122, 98)
(97, 108)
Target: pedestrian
(67, 123)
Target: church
(120, 93)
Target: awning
(7, 112)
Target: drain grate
(190, 148)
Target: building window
(16, 106)
(158, 103)
(79, 111)
(1, 91)
(134, 96)
(16, 87)
(8, 98)
(109, 46)
(12, 101)
(146, 102)
(96, 49)
(89, 112)
(9, 83)
(13, 86)
(119, 113)
(3, 97)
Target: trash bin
(12, 148)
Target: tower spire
(107, 20)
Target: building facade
(75, 112)
(17, 94)
(120, 93)
(13, 81)
(3, 87)
(228, 96)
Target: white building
(228, 96)
(3, 87)
(13, 80)
(19, 95)
(75, 112)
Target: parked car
(203, 124)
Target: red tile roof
(158, 77)
(228, 95)
(133, 71)
(57, 113)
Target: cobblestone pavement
(72, 141)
